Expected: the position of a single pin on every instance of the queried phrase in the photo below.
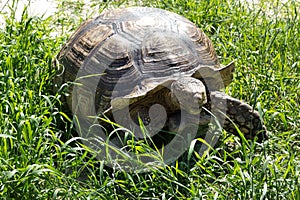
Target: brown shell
(130, 51)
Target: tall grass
(39, 158)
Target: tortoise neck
(171, 101)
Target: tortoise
(129, 59)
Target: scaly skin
(247, 120)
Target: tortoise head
(190, 93)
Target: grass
(39, 158)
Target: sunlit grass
(39, 157)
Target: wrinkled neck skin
(172, 102)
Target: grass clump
(40, 159)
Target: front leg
(247, 120)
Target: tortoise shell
(130, 51)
